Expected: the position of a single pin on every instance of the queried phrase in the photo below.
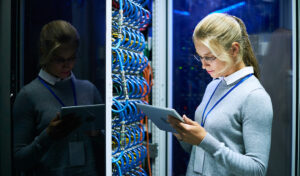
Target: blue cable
(145, 63)
(139, 132)
(132, 115)
(119, 169)
(119, 110)
(123, 167)
(118, 144)
(139, 44)
(135, 111)
(130, 110)
(138, 18)
(132, 88)
(137, 136)
(119, 157)
(135, 61)
(133, 58)
(132, 159)
(143, 42)
(127, 63)
(119, 40)
(128, 36)
(140, 86)
(133, 41)
(145, 3)
(127, 163)
(129, 141)
(125, 8)
(120, 56)
(142, 131)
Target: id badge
(76, 153)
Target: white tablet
(159, 115)
(88, 113)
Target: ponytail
(248, 54)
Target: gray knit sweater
(33, 109)
(238, 129)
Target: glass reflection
(70, 52)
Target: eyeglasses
(207, 59)
(59, 60)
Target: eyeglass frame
(207, 59)
(59, 60)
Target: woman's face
(213, 67)
(62, 62)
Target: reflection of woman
(43, 141)
(236, 111)
(279, 85)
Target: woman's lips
(209, 71)
(66, 73)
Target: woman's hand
(59, 128)
(189, 131)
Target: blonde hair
(218, 31)
(53, 35)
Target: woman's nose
(204, 64)
(67, 64)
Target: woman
(232, 129)
(44, 142)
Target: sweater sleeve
(97, 96)
(186, 146)
(256, 117)
(28, 147)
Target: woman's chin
(64, 75)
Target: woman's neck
(235, 68)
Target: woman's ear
(235, 49)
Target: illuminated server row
(136, 32)
(129, 87)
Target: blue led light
(179, 12)
(229, 8)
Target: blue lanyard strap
(203, 120)
(57, 98)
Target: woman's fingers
(189, 121)
(71, 123)
(176, 124)
(172, 119)
(178, 136)
(178, 128)
(61, 127)
(189, 131)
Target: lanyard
(57, 98)
(203, 120)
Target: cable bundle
(131, 39)
(130, 114)
(135, 87)
(132, 62)
(129, 162)
(129, 86)
(135, 135)
(136, 16)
